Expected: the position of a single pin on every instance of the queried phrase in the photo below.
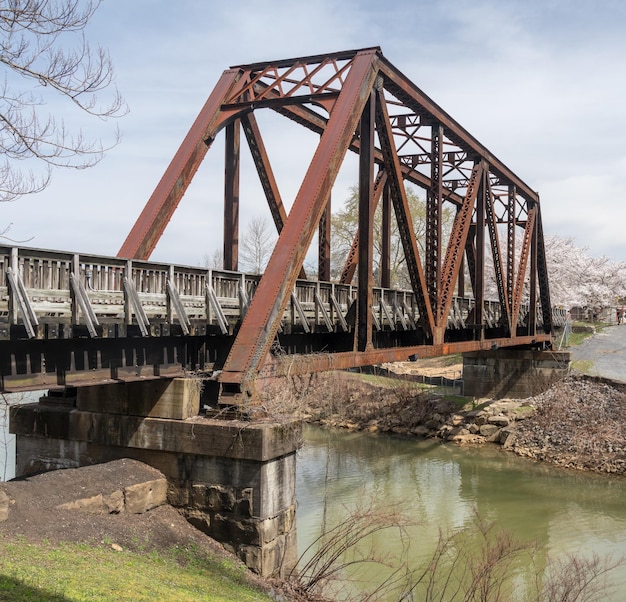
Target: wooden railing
(53, 294)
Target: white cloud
(537, 82)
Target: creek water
(442, 487)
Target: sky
(540, 83)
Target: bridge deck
(72, 319)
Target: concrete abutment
(512, 373)
(233, 479)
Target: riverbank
(579, 423)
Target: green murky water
(442, 487)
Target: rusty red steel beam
(407, 92)
(510, 252)
(323, 362)
(264, 169)
(403, 217)
(452, 262)
(496, 254)
(155, 216)
(366, 226)
(542, 273)
(479, 248)
(532, 293)
(434, 215)
(261, 323)
(312, 59)
(522, 266)
(385, 253)
(231, 195)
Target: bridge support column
(512, 373)
(233, 479)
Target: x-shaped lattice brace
(368, 107)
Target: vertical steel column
(385, 255)
(460, 283)
(510, 250)
(366, 226)
(542, 276)
(323, 250)
(532, 300)
(496, 254)
(128, 308)
(75, 269)
(231, 196)
(262, 320)
(470, 255)
(479, 290)
(433, 215)
(13, 302)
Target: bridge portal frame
(356, 100)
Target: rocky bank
(578, 423)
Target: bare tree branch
(45, 57)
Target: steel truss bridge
(70, 319)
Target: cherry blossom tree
(578, 278)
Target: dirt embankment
(579, 423)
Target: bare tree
(46, 58)
(214, 260)
(256, 246)
(475, 562)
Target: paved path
(607, 352)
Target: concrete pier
(512, 373)
(233, 479)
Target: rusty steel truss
(357, 101)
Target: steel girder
(356, 100)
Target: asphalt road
(606, 351)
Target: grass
(79, 572)
(448, 360)
(464, 402)
(583, 366)
(582, 331)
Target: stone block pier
(234, 479)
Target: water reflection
(440, 486)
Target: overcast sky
(540, 83)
